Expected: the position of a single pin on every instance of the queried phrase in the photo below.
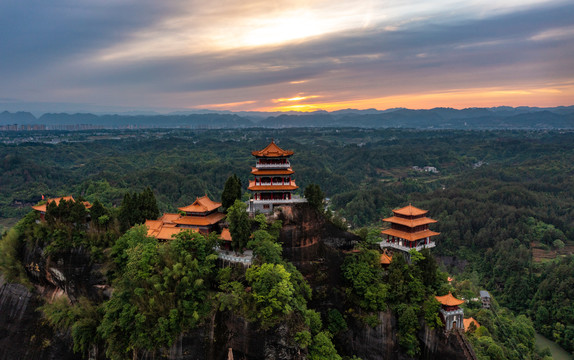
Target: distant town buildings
(429, 169)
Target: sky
(261, 55)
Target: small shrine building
(386, 258)
(485, 299)
(451, 314)
(409, 230)
(273, 184)
(42, 208)
(202, 216)
(468, 322)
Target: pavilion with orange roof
(386, 258)
(451, 314)
(273, 184)
(201, 216)
(42, 207)
(469, 321)
(409, 230)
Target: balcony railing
(451, 313)
(281, 201)
(274, 184)
(273, 166)
(245, 258)
(385, 244)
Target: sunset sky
(122, 55)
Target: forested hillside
(503, 199)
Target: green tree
(408, 327)
(239, 227)
(272, 292)
(314, 196)
(162, 292)
(11, 246)
(364, 273)
(137, 208)
(322, 348)
(231, 191)
(148, 206)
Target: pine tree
(148, 203)
(314, 196)
(124, 215)
(231, 191)
(239, 225)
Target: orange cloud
(296, 98)
(545, 96)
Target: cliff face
(22, 332)
(310, 242)
(316, 247)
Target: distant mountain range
(438, 118)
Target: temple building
(202, 216)
(42, 208)
(485, 299)
(386, 258)
(451, 314)
(409, 230)
(468, 322)
(273, 184)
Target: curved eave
(409, 236)
(410, 210)
(273, 187)
(258, 154)
(449, 300)
(260, 172)
(272, 151)
(410, 223)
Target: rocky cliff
(310, 242)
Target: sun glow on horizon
(547, 96)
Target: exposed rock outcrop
(23, 336)
(310, 242)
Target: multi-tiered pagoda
(409, 230)
(273, 184)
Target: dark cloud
(55, 40)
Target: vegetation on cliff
(502, 200)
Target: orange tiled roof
(409, 236)
(153, 226)
(202, 204)
(168, 233)
(225, 235)
(410, 211)
(272, 150)
(254, 187)
(200, 220)
(42, 208)
(469, 321)
(256, 171)
(449, 300)
(410, 223)
(162, 231)
(386, 259)
(169, 217)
